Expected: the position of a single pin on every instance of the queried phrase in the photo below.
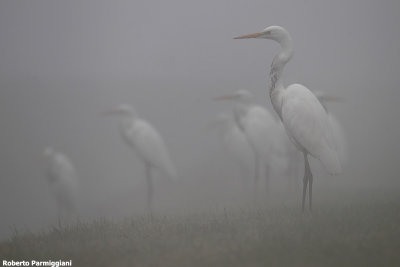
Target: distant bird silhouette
(235, 144)
(63, 180)
(148, 144)
(262, 133)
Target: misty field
(359, 233)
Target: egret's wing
(236, 143)
(150, 145)
(260, 127)
(308, 124)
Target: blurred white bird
(304, 118)
(148, 144)
(235, 144)
(262, 134)
(63, 180)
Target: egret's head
(121, 110)
(276, 33)
(241, 96)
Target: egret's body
(337, 129)
(305, 120)
(235, 144)
(261, 132)
(63, 180)
(340, 138)
(148, 144)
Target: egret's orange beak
(223, 97)
(251, 35)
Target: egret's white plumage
(308, 124)
(340, 138)
(235, 143)
(336, 126)
(63, 180)
(304, 118)
(260, 129)
(148, 144)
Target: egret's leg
(308, 174)
(59, 215)
(310, 181)
(149, 187)
(305, 180)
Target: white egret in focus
(337, 129)
(63, 180)
(302, 114)
(260, 129)
(296, 157)
(148, 144)
(235, 144)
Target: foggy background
(62, 63)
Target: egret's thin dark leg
(149, 187)
(305, 180)
(308, 174)
(310, 178)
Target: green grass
(362, 233)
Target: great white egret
(63, 180)
(337, 129)
(304, 118)
(148, 144)
(234, 143)
(260, 129)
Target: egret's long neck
(240, 110)
(276, 85)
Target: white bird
(260, 129)
(148, 144)
(304, 118)
(235, 143)
(337, 129)
(296, 157)
(63, 180)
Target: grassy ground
(363, 233)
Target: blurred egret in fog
(260, 129)
(148, 144)
(304, 118)
(63, 180)
(235, 143)
(337, 129)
